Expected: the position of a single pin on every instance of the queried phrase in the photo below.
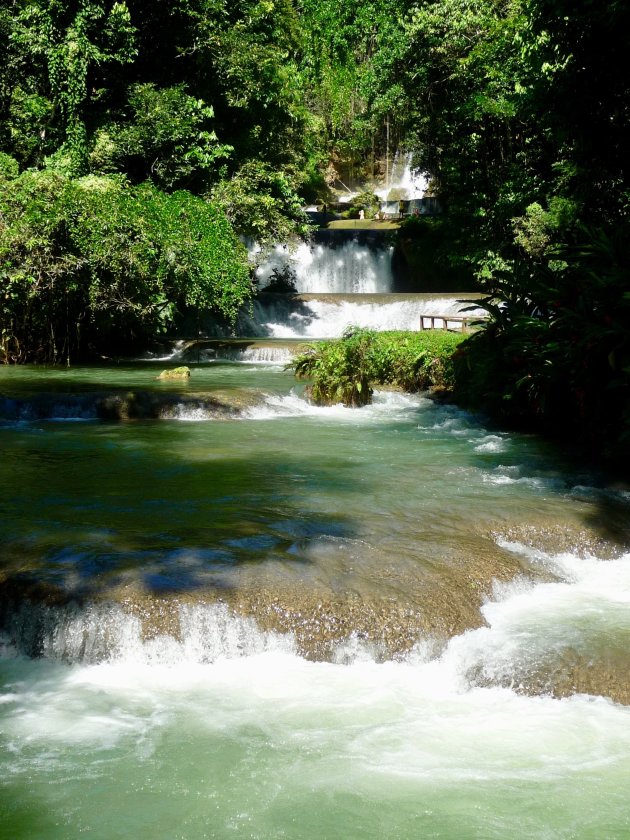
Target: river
(257, 618)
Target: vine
(71, 45)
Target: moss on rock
(182, 372)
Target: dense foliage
(518, 110)
(521, 114)
(90, 260)
(179, 113)
(556, 352)
(351, 84)
(345, 370)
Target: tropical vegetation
(346, 370)
(178, 128)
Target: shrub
(344, 370)
(340, 369)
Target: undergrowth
(345, 370)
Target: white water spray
(328, 316)
(349, 267)
(405, 182)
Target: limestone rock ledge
(131, 405)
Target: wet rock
(132, 405)
(147, 405)
(399, 611)
(182, 372)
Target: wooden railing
(427, 322)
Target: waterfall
(326, 315)
(335, 261)
(345, 276)
(100, 631)
(405, 182)
(342, 261)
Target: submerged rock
(150, 405)
(132, 405)
(471, 603)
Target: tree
(88, 262)
(522, 119)
(167, 138)
(69, 43)
(581, 94)
(350, 68)
(465, 79)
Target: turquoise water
(269, 626)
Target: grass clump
(345, 370)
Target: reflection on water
(305, 623)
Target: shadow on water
(366, 527)
(270, 309)
(610, 517)
(256, 319)
(601, 502)
(93, 509)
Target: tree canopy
(155, 123)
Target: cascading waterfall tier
(327, 315)
(335, 261)
(405, 182)
(342, 277)
(550, 636)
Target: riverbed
(277, 620)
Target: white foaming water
(222, 730)
(257, 355)
(492, 444)
(386, 406)
(610, 576)
(584, 611)
(106, 632)
(507, 476)
(398, 722)
(328, 318)
(217, 650)
(527, 621)
(174, 354)
(350, 267)
(227, 723)
(408, 183)
(190, 413)
(186, 351)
